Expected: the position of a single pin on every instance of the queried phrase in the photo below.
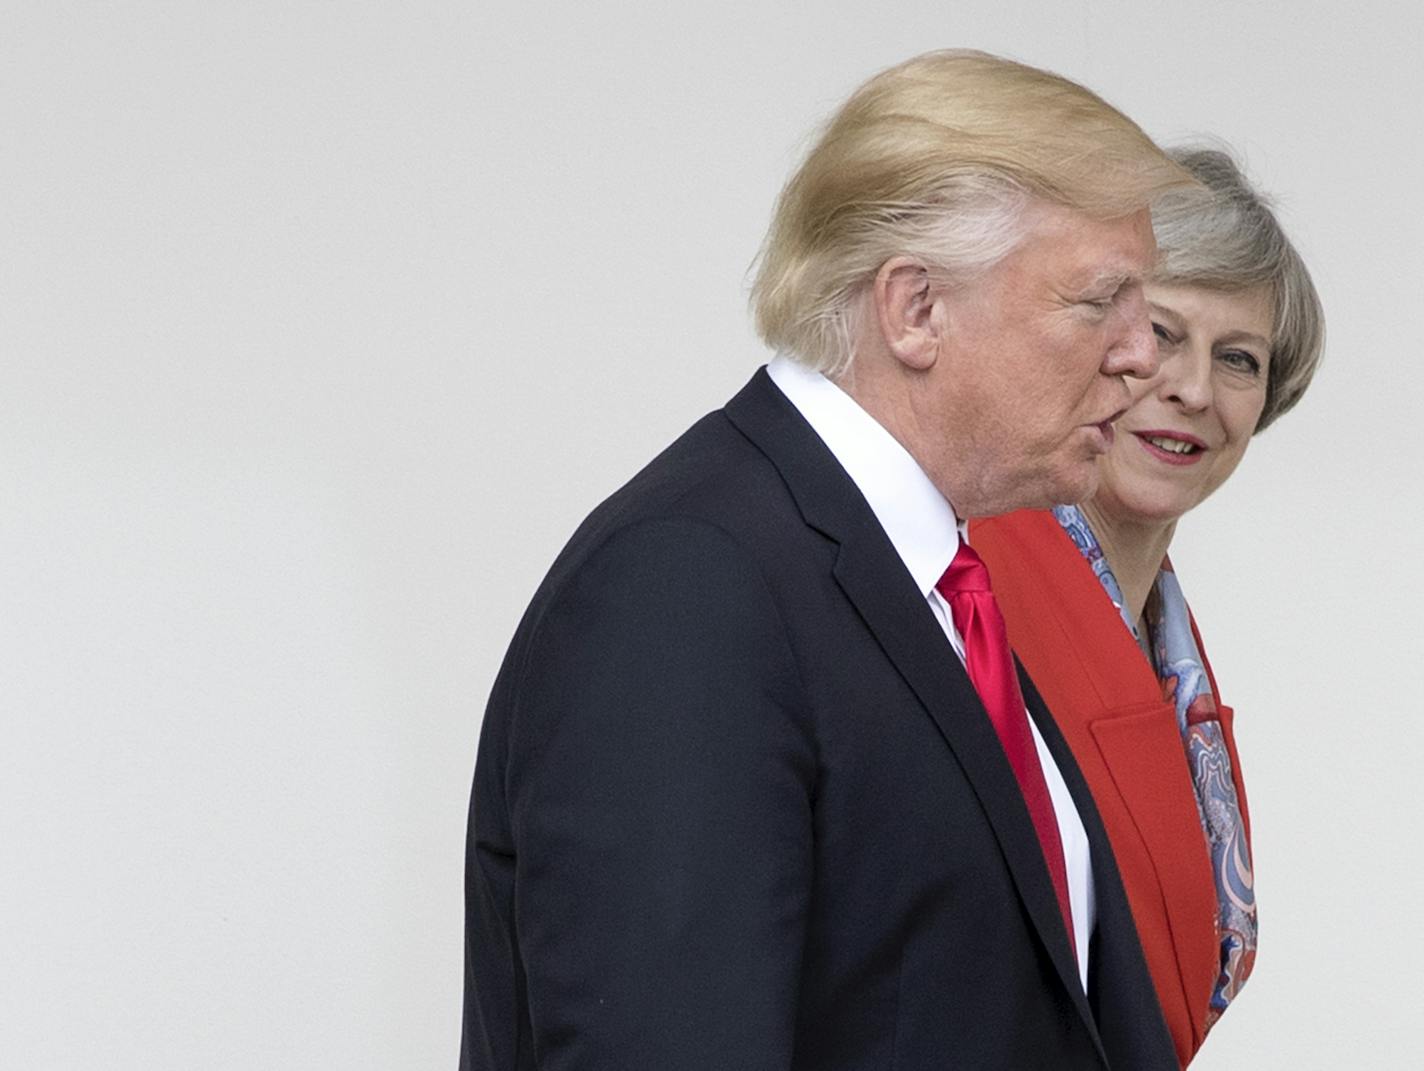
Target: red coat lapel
(1108, 703)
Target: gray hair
(1222, 235)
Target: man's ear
(905, 300)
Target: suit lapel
(907, 631)
(875, 581)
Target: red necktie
(965, 586)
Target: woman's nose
(1185, 377)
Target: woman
(1094, 610)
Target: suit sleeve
(659, 787)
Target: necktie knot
(966, 573)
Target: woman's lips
(1173, 447)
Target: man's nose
(1134, 353)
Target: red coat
(1108, 703)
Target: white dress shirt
(926, 534)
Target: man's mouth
(1106, 426)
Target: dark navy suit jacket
(737, 805)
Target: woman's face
(1190, 423)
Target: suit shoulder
(711, 474)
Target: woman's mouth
(1173, 447)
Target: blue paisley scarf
(1172, 651)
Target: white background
(321, 326)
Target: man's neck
(888, 398)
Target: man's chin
(1046, 495)
(1066, 488)
(1080, 488)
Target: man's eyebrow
(1110, 279)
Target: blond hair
(937, 158)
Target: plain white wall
(322, 325)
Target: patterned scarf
(1172, 652)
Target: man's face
(1032, 363)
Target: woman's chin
(1138, 511)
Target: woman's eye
(1241, 361)
(1161, 333)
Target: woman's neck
(1134, 553)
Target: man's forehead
(1116, 260)
(1098, 250)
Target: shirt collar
(918, 519)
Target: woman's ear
(905, 300)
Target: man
(738, 803)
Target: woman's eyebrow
(1245, 336)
